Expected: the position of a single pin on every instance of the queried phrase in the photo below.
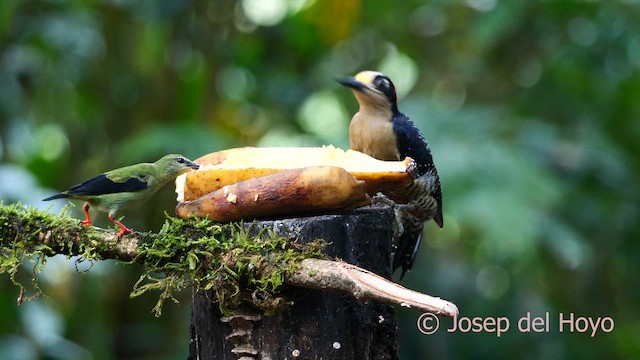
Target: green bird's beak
(184, 161)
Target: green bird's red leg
(86, 222)
(123, 229)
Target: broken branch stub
(364, 285)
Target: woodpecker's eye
(382, 83)
(180, 160)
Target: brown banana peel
(227, 167)
(296, 191)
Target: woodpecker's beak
(352, 83)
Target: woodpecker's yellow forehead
(366, 77)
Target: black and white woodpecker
(380, 130)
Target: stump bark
(319, 324)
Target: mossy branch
(201, 254)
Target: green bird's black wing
(101, 184)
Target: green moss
(23, 232)
(224, 258)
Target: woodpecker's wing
(412, 143)
(105, 184)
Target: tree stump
(319, 324)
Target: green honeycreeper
(127, 186)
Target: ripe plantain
(304, 190)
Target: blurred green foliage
(531, 109)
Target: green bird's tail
(57, 196)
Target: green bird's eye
(181, 160)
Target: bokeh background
(532, 110)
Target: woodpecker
(124, 187)
(380, 130)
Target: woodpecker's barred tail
(409, 240)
